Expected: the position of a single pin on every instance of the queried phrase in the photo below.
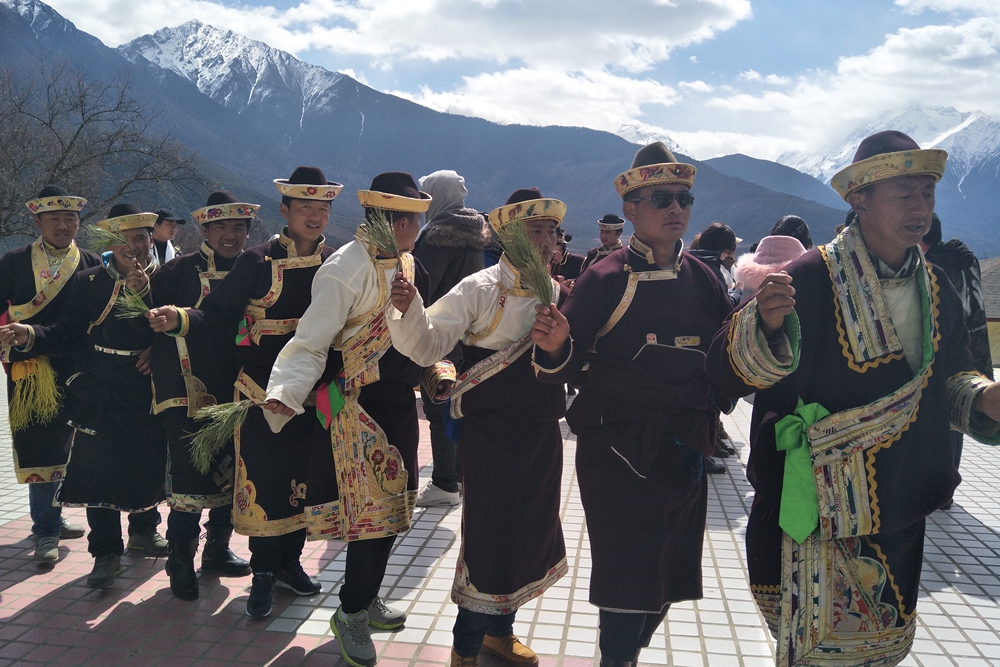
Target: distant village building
(991, 296)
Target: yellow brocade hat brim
(132, 221)
(326, 192)
(236, 211)
(531, 209)
(922, 162)
(611, 228)
(667, 173)
(46, 204)
(390, 202)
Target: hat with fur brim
(886, 155)
(123, 217)
(395, 191)
(308, 183)
(654, 164)
(223, 205)
(611, 223)
(527, 204)
(55, 198)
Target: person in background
(611, 227)
(450, 247)
(794, 226)
(962, 268)
(772, 253)
(566, 266)
(163, 235)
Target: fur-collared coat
(451, 247)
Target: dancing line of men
(857, 353)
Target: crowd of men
(857, 354)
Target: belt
(120, 353)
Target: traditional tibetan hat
(165, 214)
(886, 155)
(395, 191)
(611, 222)
(308, 183)
(55, 198)
(127, 216)
(654, 164)
(562, 237)
(223, 205)
(527, 204)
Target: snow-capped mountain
(642, 134)
(971, 138)
(43, 19)
(236, 71)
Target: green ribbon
(799, 515)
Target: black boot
(180, 568)
(218, 557)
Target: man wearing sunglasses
(643, 318)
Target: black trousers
(270, 554)
(447, 466)
(363, 574)
(623, 635)
(183, 526)
(105, 538)
(471, 627)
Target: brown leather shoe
(511, 649)
(463, 661)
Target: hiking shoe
(71, 531)
(151, 543)
(294, 577)
(355, 637)
(383, 617)
(434, 496)
(259, 603)
(463, 660)
(511, 649)
(47, 550)
(106, 568)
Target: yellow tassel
(36, 396)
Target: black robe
(212, 360)
(119, 456)
(41, 450)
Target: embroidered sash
(371, 475)
(486, 369)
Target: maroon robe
(643, 423)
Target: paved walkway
(49, 616)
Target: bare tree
(96, 139)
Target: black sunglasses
(662, 199)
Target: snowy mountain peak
(969, 137)
(41, 17)
(234, 70)
(642, 134)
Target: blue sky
(716, 76)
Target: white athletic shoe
(432, 496)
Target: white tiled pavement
(958, 609)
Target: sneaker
(294, 577)
(106, 569)
(384, 617)
(463, 660)
(511, 649)
(47, 550)
(150, 543)
(259, 603)
(433, 496)
(714, 466)
(355, 637)
(70, 531)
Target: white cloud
(707, 144)
(755, 76)
(976, 6)
(557, 33)
(749, 75)
(696, 86)
(588, 98)
(693, 59)
(776, 80)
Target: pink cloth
(773, 253)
